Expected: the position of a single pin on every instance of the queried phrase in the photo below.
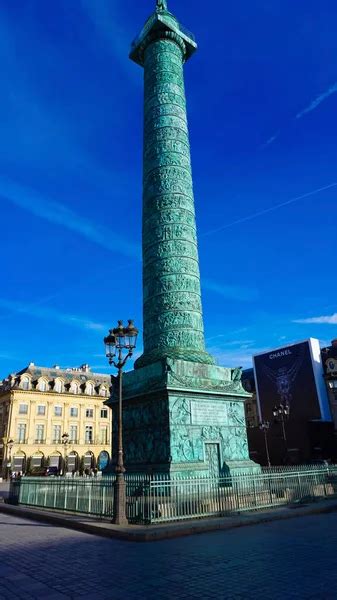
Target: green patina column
(173, 323)
(182, 414)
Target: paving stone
(285, 559)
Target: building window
(23, 409)
(41, 409)
(56, 434)
(18, 463)
(73, 411)
(103, 391)
(39, 433)
(25, 383)
(58, 386)
(42, 385)
(22, 433)
(89, 413)
(73, 434)
(104, 413)
(58, 411)
(88, 434)
(88, 461)
(36, 461)
(104, 435)
(72, 462)
(89, 389)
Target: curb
(152, 533)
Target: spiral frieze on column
(173, 323)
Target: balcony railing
(93, 442)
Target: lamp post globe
(65, 441)
(110, 346)
(281, 415)
(264, 427)
(10, 444)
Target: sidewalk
(150, 533)
(4, 490)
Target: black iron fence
(159, 498)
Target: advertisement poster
(287, 376)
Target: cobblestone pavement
(282, 559)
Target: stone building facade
(39, 405)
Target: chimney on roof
(31, 364)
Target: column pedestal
(185, 419)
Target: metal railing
(203, 497)
(159, 498)
(87, 495)
(298, 468)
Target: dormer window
(58, 386)
(89, 389)
(74, 387)
(42, 385)
(25, 383)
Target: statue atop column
(161, 5)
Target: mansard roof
(82, 374)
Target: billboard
(292, 376)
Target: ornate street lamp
(10, 444)
(120, 340)
(264, 426)
(281, 415)
(65, 442)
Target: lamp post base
(120, 501)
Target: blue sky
(262, 99)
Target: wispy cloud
(42, 312)
(6, 356)
(270, 141)
(270, 209)
(315, 103)
(312, 106)
(57, 213)
(112, 32)
(325, 319)
(232, 352)
(227, 335)
(49, 138)
(234, 292)
(232, 357)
